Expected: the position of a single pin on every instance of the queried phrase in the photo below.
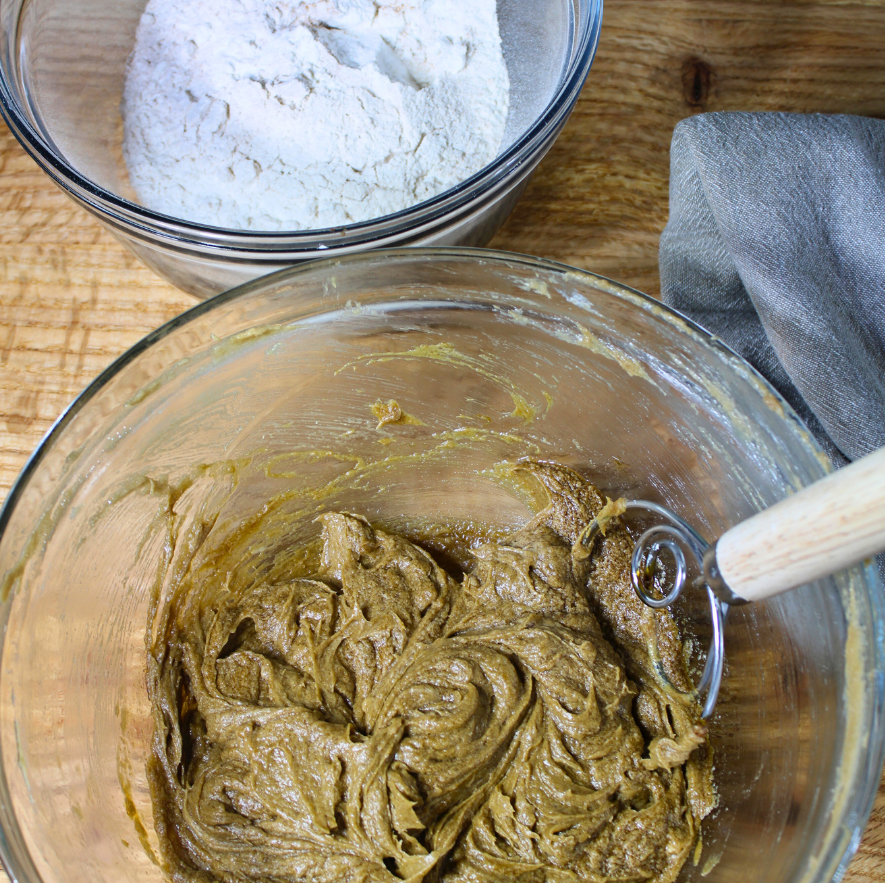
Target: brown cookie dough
(385, 721)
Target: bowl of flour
(223, 140)
(252, 115)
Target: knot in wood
(697, 77)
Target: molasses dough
(531, 721)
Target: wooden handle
(824, 528)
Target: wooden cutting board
(72, 298)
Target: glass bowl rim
(486, 255)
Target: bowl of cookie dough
(223, 141)
(296, 590)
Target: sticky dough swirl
(388, 722)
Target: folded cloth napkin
(776, 244)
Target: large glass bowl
(62, 67)
(495, 357)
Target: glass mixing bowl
(62, 67)
(268, 389)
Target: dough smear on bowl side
(385, 721)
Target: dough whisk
(814, 533)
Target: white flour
(264, 115)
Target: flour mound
(263, 115)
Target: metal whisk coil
(675, 536)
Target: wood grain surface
(72, 298)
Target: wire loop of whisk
(674, 538)
(645, 559)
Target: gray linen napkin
(776, 244)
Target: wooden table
(72, 299)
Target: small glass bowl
(495, 356)
(62, 67)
